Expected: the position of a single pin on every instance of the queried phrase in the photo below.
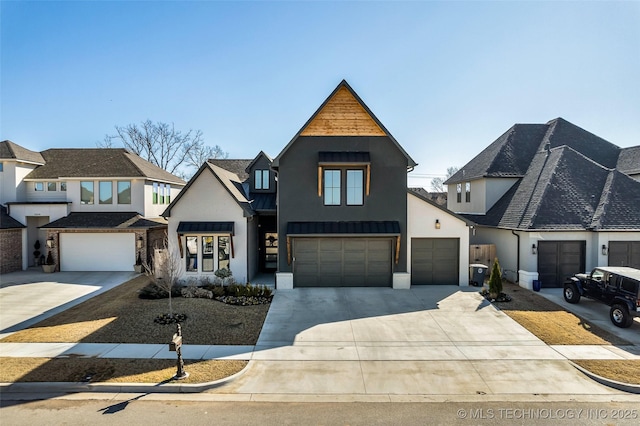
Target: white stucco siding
(12, 185)
(494, 189)
(484, 194)
(207, 200)
(155, 210)
(506, 248)
(421, 219)
(97, 251)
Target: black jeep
(616, 286)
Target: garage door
(624, 253)
(559, 260)
(342, 262)
(435, 261)
(97, 252)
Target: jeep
(618, 287)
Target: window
(1, 167)
(161, 194)
(261, 178)
(124, 192)
(51, 186)
(106, 192)
(192, 254)
(207, 254)
(63, 186)
(459, 193)
(332, 187)
(86, 192)
(223, 252)
(167, 197)
(39, 186)
(467, 193)
(155, 192)
(355, 187)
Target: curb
(625, 387)
(76, 387)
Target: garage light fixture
(139, 242)
(437, 224)
(50, 242)
(604, 250)
(534, 249)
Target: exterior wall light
(437, 224)
(534, 249)
(604, 250)
(50, 242)
(139, 242)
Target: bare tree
(163, 145)
(164, 269)
(437, 184)
(202, 153)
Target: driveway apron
(427, 340)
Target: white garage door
(97, 252)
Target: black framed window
(192, 254)
(355, 187)
(261, 179)
(332, 187)
(467, 192)
(459, 192)
(223, 252)
(207, 254)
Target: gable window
(467, 193)
(261, 179)
(124, 192)
(192, 254)
(155, 192)
(51, 186)
(355, 187)
(86, 192)
(39, 186)
(332, 187)
(63, 186)
(459, 192)
(106, 192)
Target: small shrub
(152, 291)
(223, 273)
(49, 258)
(495, 280)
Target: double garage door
(342, 262)
(97, 251)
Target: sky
(446, 78)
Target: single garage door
(624, 253)
(97, 251)
(342, 262)
(559, 260)
(435, 261)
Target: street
(142, 412)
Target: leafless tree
(164, 269)
(202, 153)
(437, 184)
(163, 145)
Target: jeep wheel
(620, 316)
(571, 293)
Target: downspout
(517, 258)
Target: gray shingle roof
(629, 160)
(11, 150)
(565, 190)
(512, 153)
(98, 163)
(7, 222)
(96, 220)
(235, 166)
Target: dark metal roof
(202, 227)
(7, 222)
(11, 150)
(97, 220)
(344, 157)
(263, 201)
(337, 228)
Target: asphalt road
(83, 412)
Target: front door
(270, 252)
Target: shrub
(223, 273)
(152, 291)
(495, 280)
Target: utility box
(477, 272)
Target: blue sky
(445, 78)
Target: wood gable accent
(343, 115)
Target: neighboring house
(339, 213)
(95, 209)
(554, 199)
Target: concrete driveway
(429, 340)
(595, 312)
(27, 297)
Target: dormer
(262, 178)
